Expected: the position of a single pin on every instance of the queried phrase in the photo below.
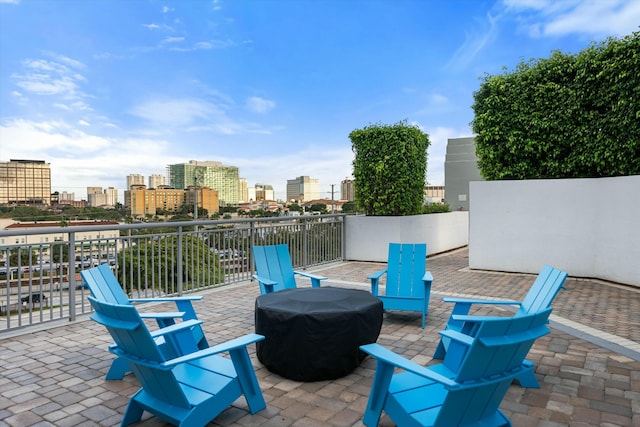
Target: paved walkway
(589, 365)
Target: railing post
(304, 244)
(179, 261)
(72, 275)
(252, 242)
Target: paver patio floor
(589, 365)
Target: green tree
(294, 207)
(349, 207)
(566, 116)
(318, 207)
(156, 261)
(389, 168)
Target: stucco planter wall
(368, 237)
(588, 227)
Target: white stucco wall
(586, 227)
(368, 237)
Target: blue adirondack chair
(408, 285)
(540, 296)
(104, 286)
(274, 270)
(467, 387)
(189, 390)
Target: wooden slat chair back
(274, 270)
(190, 390)
(408, 284)
(539, 297)
(544, 290)
(487, 363)
(105, 287)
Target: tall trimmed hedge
(389, 169)
(566, 116)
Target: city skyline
(104, 89)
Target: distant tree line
(566, 116)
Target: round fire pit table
(314, 334)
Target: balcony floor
(589, 365)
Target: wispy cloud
(175, 112)
(58, 77)
(259, 105)
(543, 18)
(476, 39)
(159, 27)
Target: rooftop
(589, 365)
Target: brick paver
(55, 377)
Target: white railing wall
(587, 227)
(367, 237)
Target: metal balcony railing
(39, 268)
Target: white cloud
(588, 17)
(78, 158)
(329, 166)
(259, 105)
(173, 40)
(176, 112)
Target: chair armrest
(375, 279)
(479, 301)
(227, 346)
(267, 284)
(315, 280)
(381, 354)
(377, 274)
(475, 319)
(167, 299)
(309, 275)
(427, 277)
(263, 280)
(163, 315)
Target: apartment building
(157, 181)
(25, 182)
(134, 179)
(143, 201)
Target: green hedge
(566, 116)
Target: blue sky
(102, 89)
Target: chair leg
(247, 378)
(441, 349)
(378, 395)
(527, 378)
(133, 414)
(119, 367)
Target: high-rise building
(156, 181)
(347, 190)
(243, 191)
(224, 179)
(134, 179)
(25, 182)
(303, 189)
(264, 192)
